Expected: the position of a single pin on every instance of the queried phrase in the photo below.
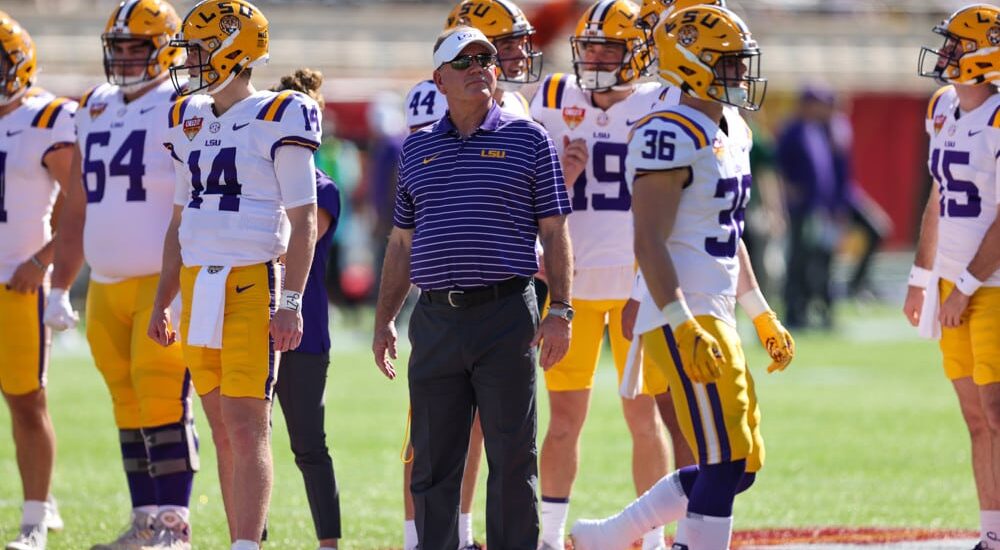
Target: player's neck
(238, 90)
(606, 99)
(971, 97)
(711, 109)
(11, 107)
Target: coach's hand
(629, 313)
(953, 308)
(574, 159)
(384, 348)
(286, 329)
(27, 277)
(160, 329)
(914, 304)
(59, 314)
(776, 340)
(553, 334)
(701, 354)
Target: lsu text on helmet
(222, 39)
(608, 28)
(510, 32)
(971, 50)
(653, 11)
(708, 52)
(136, 42)
(17, 60)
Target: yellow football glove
(701, 355)
(776, 340)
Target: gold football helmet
(654, 11)
(222, 39)
(152, 21)
(610, 23)
(17, 60)
(501, 21)
(971, 50)
(708, 52)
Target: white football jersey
(27, 191)
(128, 178)
(964, 148)
(705, 239)
(600, 226)
(426, 105)
(234, 211)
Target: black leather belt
(469, 297)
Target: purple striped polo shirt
(474, 203)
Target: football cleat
(171, 532)
(53, 521)
(589, 534)
(31, 537)
(474, 546)
(137, 535)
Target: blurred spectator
(814, 160)
(387, 125)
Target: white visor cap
(458, 41)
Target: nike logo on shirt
(13, 132)
(146, 110)
(240, 126)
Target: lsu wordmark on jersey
(425, 104)
(129, 180)
(962, 161)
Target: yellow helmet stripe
(601, 10)
(553, 90)
(125, 12)
(46, 118)
(273, 110)
(690, 127)
(932, 106)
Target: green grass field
(862, 430)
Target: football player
(245, 196)
(689, 171)
(36, 152)
(954, 286)
(519, 63)
(116, 220)
(588, 115)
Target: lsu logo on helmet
(222, 39)
(611, 24)
(969, 54)
(18, 65)
(510, 32)
(708, 53)
(653, 11)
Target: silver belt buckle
(450, 294)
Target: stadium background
(863, 431)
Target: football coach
(475, 190)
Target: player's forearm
(395, 278)
(987, 259)
(927, 242)
(301, 245)
(657, 269)
(68, 242)
(170, 272)
(558, 258)
(747, 279)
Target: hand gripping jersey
(425, 105)
(129, 180)
(709, 224)
(964, 148)
(601, 223)
(27, 191)
(234, 209)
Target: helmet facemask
(9, 86)
(601, 76)
(737, 79)
(130, 72)
(517, 59)
(197, 65)
(943, 65)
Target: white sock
(653, 539)
(33, 512)
(680, 535)
(410, 534)
(465, 530)
(244, 544)
(989, 527)
(663, 503)
(182, 511)
(150, 510)
(708, 532)
(554, 523)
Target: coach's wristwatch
(562, 311)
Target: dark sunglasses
(463, 62)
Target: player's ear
(439, 82)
